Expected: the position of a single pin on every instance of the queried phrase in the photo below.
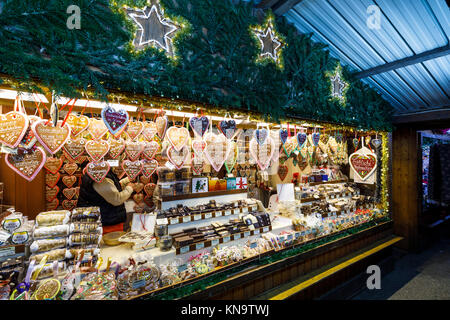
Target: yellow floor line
(305, 284)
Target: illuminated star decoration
(270, 44)
(337, 85)
(154, 28)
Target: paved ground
(423, 276)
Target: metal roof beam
(415, 59)
(442, 114)
(283, 6)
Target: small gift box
(222, 184)
(231, 183)
(214, 185)
(199, 185)
(241, 183)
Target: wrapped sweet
(51, 232)
(84, 239)
(53, 255)
(52, 218)
(85, 227)
(97, 286)
(86, 214)
(48, 244)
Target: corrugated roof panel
(388, 95)
(440, 69)
(442, 12)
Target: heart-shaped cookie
(13, 127)
(228, 128)
(52, 205)
(363, 164)
(70, 168)
(138, 186)
(316, 138)
(148, 200)
(261, 135)
(97, 170)
(178, 137)
(132, 168)
(282, 172)
(262, 154)
(114, 120)
(283, 135)
(69, 193)
(301, 139)
(77, 124)
(81, 160)
(138, 198)
(52, 179)
(116, 147)
(144, 180)
(197, 164)
(161, 126)
(217, 149)
(149, 167)
(69, 204)
(290, 145)
(150, 149)
(198, 146)
(118, 171)
(177, 158)
(97, 149)
(134, 129)
(134, 149)
(149, 131)
(51, 138)
(51, 193)
(199, 125)
(149, 188)
(74, 148)
(376, 143)
(53, 164)
(69, 181)
(29, 140)
(97, 128)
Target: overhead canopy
(406, 57)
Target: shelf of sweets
(201, 195)
(326, 182)
(221, 240)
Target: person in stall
(110, 195)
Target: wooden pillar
(405, 185)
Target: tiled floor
(422, 276)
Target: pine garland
(215, 61)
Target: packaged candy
(86, 214)
(84, 239)
(48, 244)
(52, 218)
(50, 232)
(85, 227)
(53, 255)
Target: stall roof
(407, 59)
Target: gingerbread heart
(70, 168)
(178, 137)
(69, 193)
(149, 131)
(283, 135)
(53, 165)
(138, 197)
(52, 179)
(363, 164)
(74, 148)
(139, 207)
(199, 125)
(148, 200)
(217, 149)
(29, 140)
(69, 204)
(97, 149)
(316, 138)
(177, 158)
(134, 129)
(262, 154)
(282, 171)
(144, 180)
(198, 146)
(138, 186)
(134, 149)
(228, 128)
(51, 193)
(69, 181)
(261, 135)
(118, 171)
(52, 205)
(13, 127)
(97, 170)
(81, 159)
(132, 168)
(197, 164)
(116, 147)
(51, 138)
(114, 120)
(149, 188)
(376, 143)
(97, 128)
(161, 126)
(150, 149)
(290, 145)
(149, 167)
(301, 139)
(77, 124)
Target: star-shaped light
(153, 27)
(337, 85)
(270, 44)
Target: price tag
(214, 242)
(237, 236)
(265, 229)
(184, 249)
(244, 209)
(246, 233)
(186, 218)
(208, 215)
(197, 217)
(255, 208)
(289, 237)
(174, 220)
(162, 221)
(297, 235)
(199, 246)
(227, 212)
(113, 163)
(256, 231)
(226, 239)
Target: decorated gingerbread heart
(149, 167)
(197, 164)
(51, 137)
(161, 126)
(363, 164)
(52, 179)
(77, 124)
(262, 154)
(74, 148)
(178, 137)
(144, 180)
(198, 146)
(138, 198)
(261, 135)
(97, 128)
(69, 204)
(97, 149)
(134, 129)
(114, 120)
(228, 128)
(134, 149)
(52, 205)
(97, 170)
(150, 149)
(282, 172)
(301, 139)
(29, 140)
(149, 131)
(70, 168)
(51, 193)
(132, 168)
(283, 135)
(177, 158)
(70, 193)
(53, 164)
(217, 149)
(149, 188)
(138, 186)
(69, 181)
(116, 147)
(13, 127)
(199, 125)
